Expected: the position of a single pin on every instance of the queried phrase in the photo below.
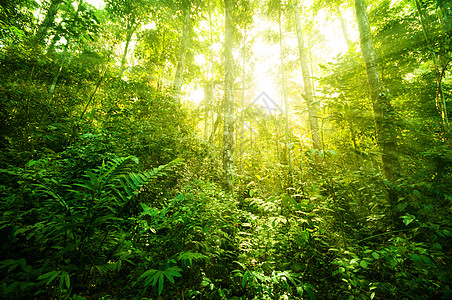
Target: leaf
(310, 293)
(93, 178)
(407, 219)
(51, 275)
(31, 163)
(155, 277)
(244, 278)
(363, 264)
(375, 255)
(161, 279)
(64, 279)
(190, 256)
(147, 273)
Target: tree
(48, 21)
(228, 132)
(76, 26)
(284, 91)
(313, 114)
(383, 112)
(131, 13)
(439, 67)
(178, 78)
(16, 20)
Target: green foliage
(108, 192)
(86, 228)
(157, 278)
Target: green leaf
(375, 255)
(67, 280)
(417, 193)
(190, 256)
(407, 219)
(310, 293)
(51, 275)
(155, 277)
(147, 273)
(170, 278)
(93, 178)
(245, 277)
(31, 163)
(161, 279)
(363, 264)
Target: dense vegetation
(114, 185)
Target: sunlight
(195, 94)
(267, 59)
(96, 3)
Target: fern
(187, 257)
(132, 182)
(116, 176)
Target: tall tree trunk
(242, 106)
(48, 21)
(439, 99)
(286, 98)
(130, 30)
(178, 79)
(242, 100)
(313, 114)
(228, 132)
(210, 100)
(95, 90)
(57, 75)
(207, 97)
(383, 112)
(343, 27)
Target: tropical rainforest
(249, 149)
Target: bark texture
(179, 77)
(286, 99)
(228, 132)
(440, 100)
(383, 112)
(313, 111)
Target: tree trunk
(286, 99)
(47, 22)
(383, 112)
(210, 100)
(178, 79)
(207, 97)
(313, 114)
(440, 100)
(343, 27)
(242, 106)
(228, 132)
(57, 75)
(130, 30)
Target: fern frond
(187, 257)
(132, 182)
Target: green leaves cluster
(82, 227)
(157, 278)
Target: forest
(248, 149)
